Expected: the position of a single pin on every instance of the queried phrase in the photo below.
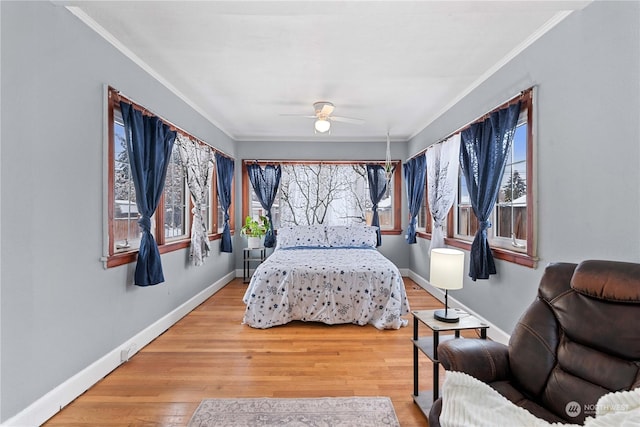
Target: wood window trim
(530, 258)
(426, 233)
(397, 185)
(519, 258)
(114, 258)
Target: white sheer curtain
(197, 160)
(442, 180)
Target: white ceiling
(245, 65)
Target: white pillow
(302, 236)
(353, 236)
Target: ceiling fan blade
(299, 115)
(327, 109)
(350, 120)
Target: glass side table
(429, 346)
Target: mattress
(328, 285)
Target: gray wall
(60, 310)
(393, 247)
(588, 154)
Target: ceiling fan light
(322, 125)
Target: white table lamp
(447, 270)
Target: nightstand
(252, 256)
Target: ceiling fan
(323, 117)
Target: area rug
(308, 412)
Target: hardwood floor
(209, 353)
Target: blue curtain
(483, 154)
(265, 183)
(415, 171)
(377, 188)
(149, 144)
(224, 170)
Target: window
(425, 220)
(333, 193)
(509, 217)
(511, 235)
(124, 227)
(219, 218)
(171, 223)
(176, 199)
(511, 208)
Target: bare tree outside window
(320, 193)
(330, 193)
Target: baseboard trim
(495, 333)
(53, 402)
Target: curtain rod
(326, 162)
(178, 129)
(523, 93)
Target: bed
(331, 274)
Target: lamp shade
(322, 125)
(447, 268)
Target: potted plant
(255, 229)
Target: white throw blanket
(482, 406)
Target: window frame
(496, 241)
(425, 230)
(188, 204)
(526, 258)
(115, 258)
(397, 185)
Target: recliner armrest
(485, 360)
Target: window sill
(391, 232)
(503, 254)
(424, 234)
(123, 258)
(498, 253)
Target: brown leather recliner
(579, 340)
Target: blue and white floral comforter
(329, 285)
